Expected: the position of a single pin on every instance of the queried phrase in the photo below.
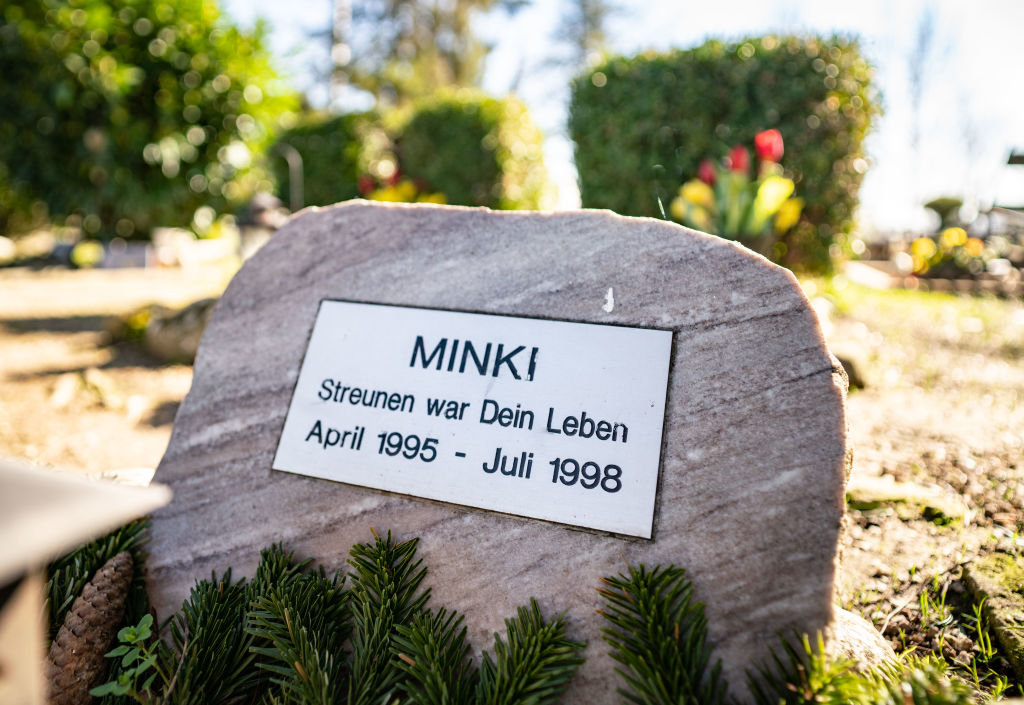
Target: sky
(970, 112)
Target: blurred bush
(475, 150)
(335, 153)
(643, 124)
(125, 115)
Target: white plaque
(546, 419)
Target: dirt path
(67, 397)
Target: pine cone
(76, 663)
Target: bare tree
(582, 30)
(401, 49)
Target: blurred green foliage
(121, 116)
(643, 124)
(334, 155)
(476, 150)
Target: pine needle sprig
(67, 575)
(659, 635)
(803, 674)
(305, 622)
(434, 655)
(386, 594)
(211, 656)
(532, 665)
(276, 567)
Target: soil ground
(942, 408)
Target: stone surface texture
(853, 638)
(998, 581)
(754, 459)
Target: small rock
(64, 390)
(852, 637)
(104, 387)
(853, 372)
(173, 335)
(933, 503)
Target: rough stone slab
(754, 459)
(998, 580)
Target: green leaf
(117, 651)
(111, 688)
(148, 683)
(144, 627)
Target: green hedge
(332, 151)
(122, 116)
(476, 150)
(642, 125)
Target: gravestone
(685, 410)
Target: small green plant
(798, 672)
(932, 602)
(139, 664)
(917, 681)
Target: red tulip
(769, 145)
(739, 158)
(365, 184)
(706, 172)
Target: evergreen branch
(275, 568)
(217, 667)
(67, 575)
(803, 674)
(659, 635)
(434, 655)
(533, 665)
(386, 594)
(305, 622)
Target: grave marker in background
(742, 486)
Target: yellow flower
(402, 192)
(952, 237)
(690, 214)
(923, 248)
(87, 253)
(406, 190)
(432, 198)
(699, 193)
(699, 219)
(789, 214)
(771, 194)
(388, 193)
